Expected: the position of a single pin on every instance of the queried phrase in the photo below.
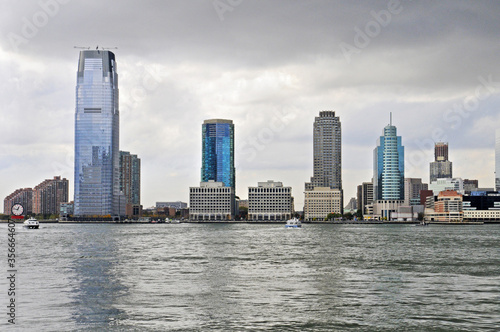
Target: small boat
(422, 223)
(32, 223)
(293, 223)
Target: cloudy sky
(271, 67)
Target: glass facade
(218, 152)
(97, 173)
(388, 166)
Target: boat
(293, 223)
(422, 223)
(32, 223)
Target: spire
(390, 119)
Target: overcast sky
(271, 67)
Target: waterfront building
(388, 166)
(441, 167)
(97, 158)
(413, 186)
(66, 209)
(439, 185)
(270, 201)
(448, 206)
(130, 184)
(218, 152)
(320, 202)
(327, 167)
(388, 173)
(211, 201)
(23, 196)
(497, 160)
(470, 185)
(48, 195)
(365, 196)
(176, 205)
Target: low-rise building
(270, 201)
(321, 201)
(448, 206)
(211, 201)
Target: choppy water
(239, 277)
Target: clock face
(17, 209)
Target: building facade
(176, 205)
(441, 167)
(23, 196)
(321, 201)
(448, 207)
(130, 183)
(388, 166)
(413, 186)
(439, 185)
(365, 196)
(211, 201)
(48, 196)
(270, 201)
(327, 167)
(218, 152)
(97, 158)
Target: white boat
(31, 223)
(293, 223)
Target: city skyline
(270, 78)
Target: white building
(270, 201)
(211, 201)
(456, 184)
(320, 202)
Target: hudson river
(240, 277)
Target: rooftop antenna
(391, 119)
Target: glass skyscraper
(218, 152)
(389, 166)
(97, 158)
(327, 168)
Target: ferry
(32, 223)
(293, 223)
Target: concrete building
(448, 207)
(176, 205)
(211, 201)
(365, 196)
(130, 183)
(413, 186)
(322, 201)
(48, 195)
(441, 167)
(470, 185)
(23, 196)
(439, 185)
(327, 167)
(270, 201)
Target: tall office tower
(389, 166)
(441, 167)
(413, 186)
(497, 160)
(327, 168)
(48, 196)
(218, 152)
(97, 158)
(130, 182)
(365, 196)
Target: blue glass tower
(389, 166)
(218, 152)
(97, 158)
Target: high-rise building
(130, 182)
(48, 195)
(327, 167)
(22, 196)
(388, 166)
(365, 196)
(413, 186)
(218, 152)
(97, 158)
(497, 160)
(270, 201)
(441, 167)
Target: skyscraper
(97, 168)
(327, 168)
(218, 152)
(389, 166)
(441, 167)
(497, 160)
(130, 182)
